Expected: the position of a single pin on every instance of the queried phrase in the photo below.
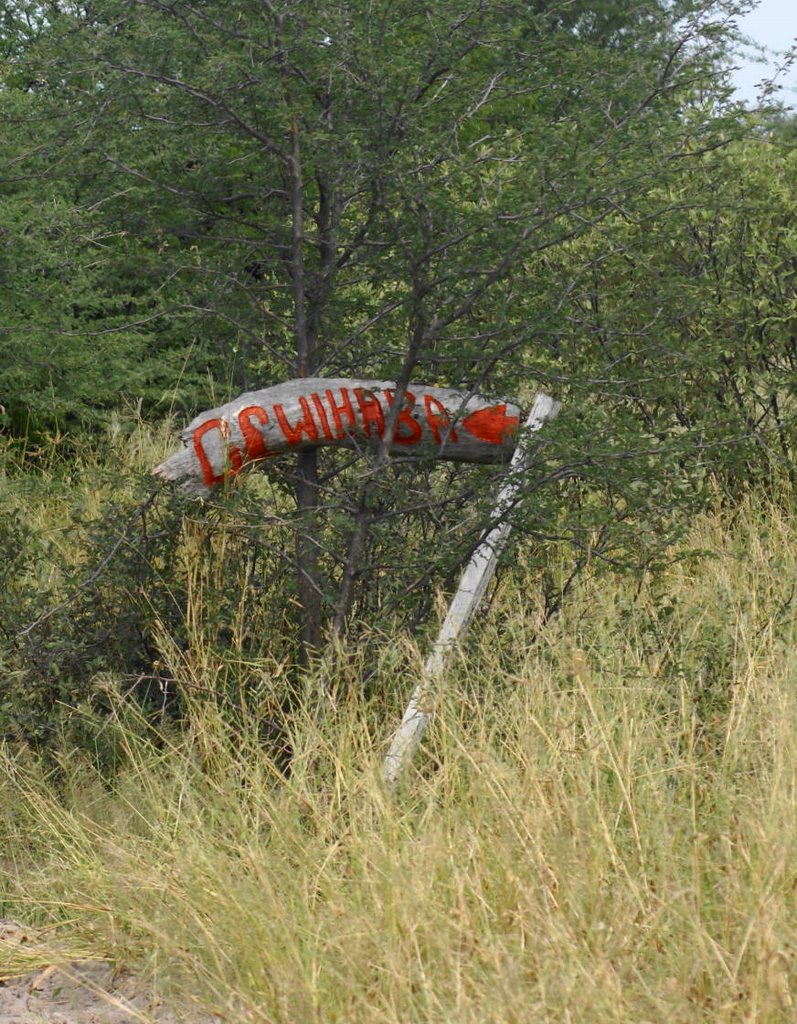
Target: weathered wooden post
(472, 587)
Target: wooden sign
(314, 411)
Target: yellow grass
(600, 827)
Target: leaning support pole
(472, 586)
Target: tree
(694, 316)
(397, 191)
(81, 303)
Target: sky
(774, 24)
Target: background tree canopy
(337, 188)
(209, 197)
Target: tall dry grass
(601, 826)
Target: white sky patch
(773, 25)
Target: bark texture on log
(309, 412)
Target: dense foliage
(495, 195)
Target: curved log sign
(306, 413)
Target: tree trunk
(308, 586)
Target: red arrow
(491, 425)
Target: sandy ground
(81, 993)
